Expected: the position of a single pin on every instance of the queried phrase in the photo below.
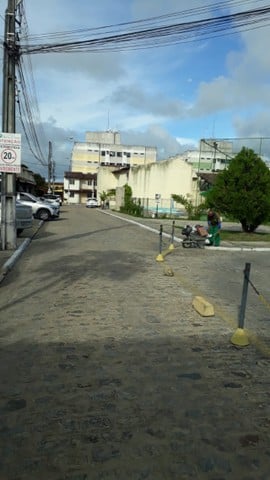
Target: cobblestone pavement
(108, 373)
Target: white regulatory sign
(10, 152)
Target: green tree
(242, 191)
(130, 206)
(41, 184)
(103, 196)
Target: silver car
(40, 208)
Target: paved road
(108, 373)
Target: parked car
(24, 217)
(92, 203)
(50, 202)
(40, 208)
(52, 196)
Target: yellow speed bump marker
(203, 307)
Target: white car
(92, 203)
(50, 197)
(40, 208)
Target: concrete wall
(105, 180)
(164, 178)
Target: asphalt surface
(107, 372)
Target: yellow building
(101, 150)
(105, 149)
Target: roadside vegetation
(235, 234)
(242, 191)
(240, 236)
(241, 194)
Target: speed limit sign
(10, 152)
(8, 156)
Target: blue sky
(168, 97)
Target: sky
(167, 97)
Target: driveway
(107, 372)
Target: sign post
(157, 198)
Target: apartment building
(79, 186)
(100, 149)
(212, 156)
(105, 149)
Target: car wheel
(43, 214)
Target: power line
(160, 35)
(26, 96)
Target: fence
(216, 153)
(153, 207)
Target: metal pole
(198, 171)
(172, 237)
(8, 194)
(242, 310)
(50, 167)
(160, 238)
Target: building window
(103, 153)
(89, 182)
(71, 194)
(112, 154)
(71, 181)
(119, 154)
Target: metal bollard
(244, 296)
(240, 338)
(160, 258)
(171, 247)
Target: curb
(180, 240)
(9, 264)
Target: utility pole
(8, 193)
(53, 176)
(50, 167)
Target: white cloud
(162, 96)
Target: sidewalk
(9, 257)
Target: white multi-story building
(212, 156)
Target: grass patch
(235, 235)
(239, 236)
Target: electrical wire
(160, 35)
(153, 21)
(153, 32)
(27, 100)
